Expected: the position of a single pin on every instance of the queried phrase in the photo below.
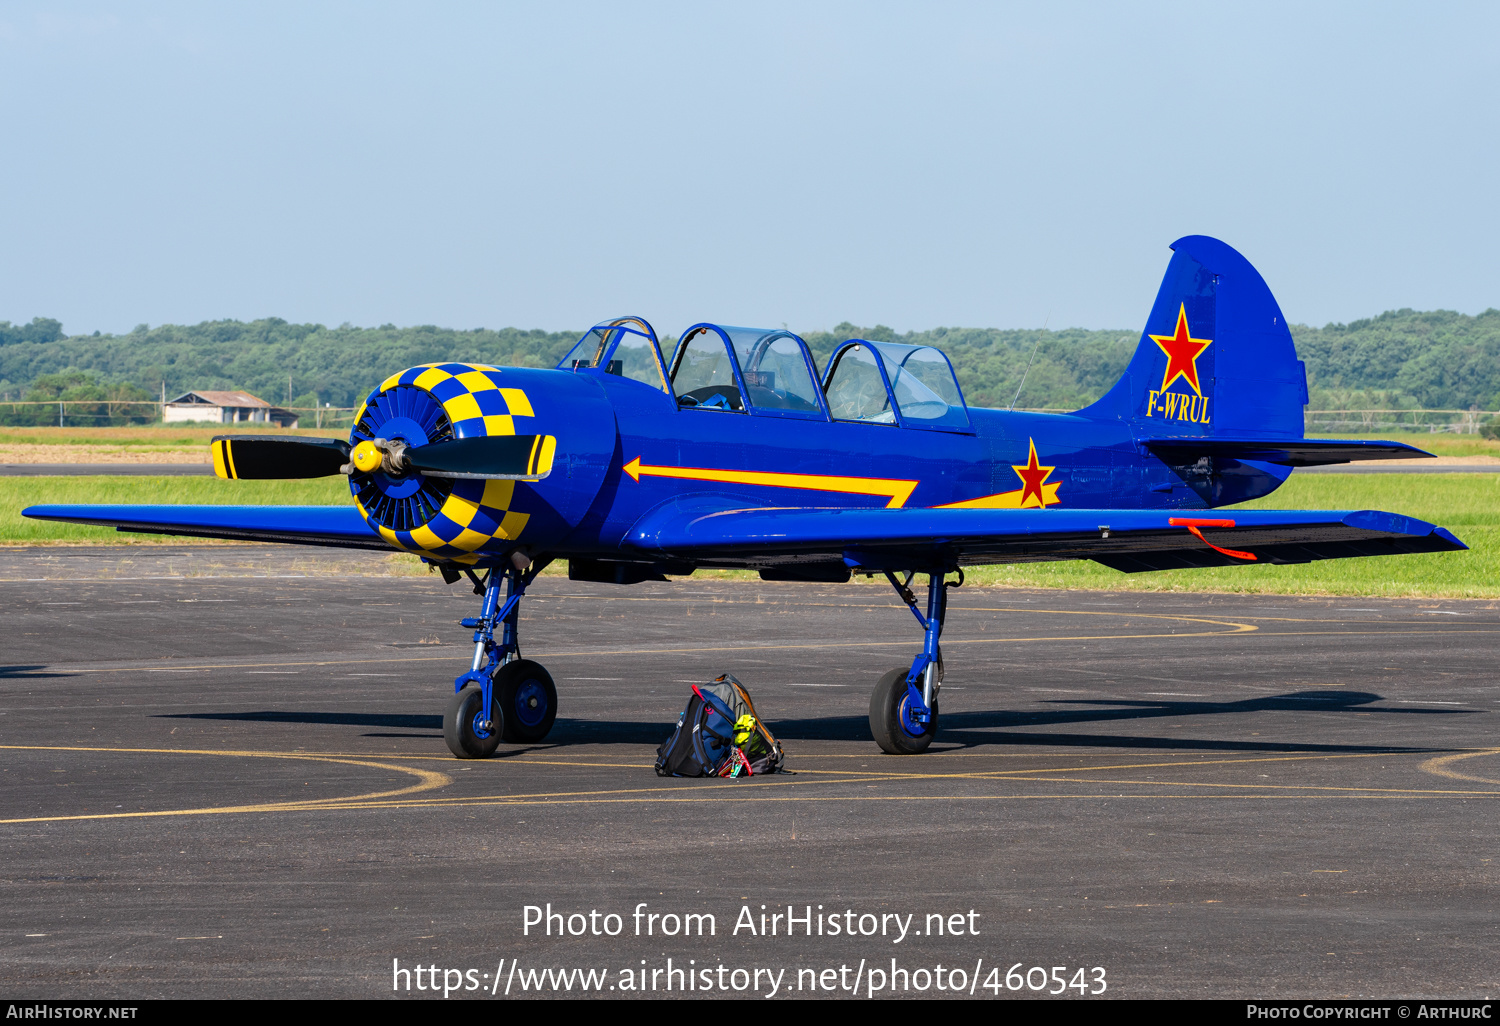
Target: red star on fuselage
(1182, 353)
(1032, 477)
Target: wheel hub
(531, 704)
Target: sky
(915, 165)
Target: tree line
(1401, 359)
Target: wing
(1128, 540)
(338, 526)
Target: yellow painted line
(857, 777)
(1439, 766)
(1353, 634)
(1007, 774)
(719, 797)
(1241, 628)
(897, 491)
(1274, 787)
(427, 780)
(543, 654)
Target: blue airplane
(738, 454)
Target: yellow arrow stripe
(897, 491)
(1007, 500)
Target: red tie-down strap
(1196, 526)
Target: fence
(1388, 421)
(1364, 422)
(91, 411)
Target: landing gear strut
(904, 707)
(502, 697)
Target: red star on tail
(1032, 476)
(1182, 353)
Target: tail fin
(1216, 358)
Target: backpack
(719, 735)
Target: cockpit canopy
(728, 368)
(770, 372)
(863, 377)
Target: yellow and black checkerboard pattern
(476, 513)
(471, 395)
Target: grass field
(1467, 504)
(16, 493)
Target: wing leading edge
(1127, 540)
(337, 526)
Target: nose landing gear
(502, 697)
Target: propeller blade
(276, 457)
(505, 457)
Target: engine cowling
(469, 521)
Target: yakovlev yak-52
(737, 454)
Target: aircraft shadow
(564, 731)
(416, 722)
(28, 672)
(969, 729)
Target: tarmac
(224, 776)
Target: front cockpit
(746, 370)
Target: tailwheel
(528, 698)
(468, 734)
(890, 717)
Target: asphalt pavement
(224, 776)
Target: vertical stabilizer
(1216, 357)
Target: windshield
(625, 348)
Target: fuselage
(625, 448)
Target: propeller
(272, 457)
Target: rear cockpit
(890, 383)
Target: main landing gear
(502, 697)
(904, 706)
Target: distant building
(225, 408)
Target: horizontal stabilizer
(1295, 452)
(872, 540)
(337, 526)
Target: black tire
(885, 717)
(466, 739)
(524, 690)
